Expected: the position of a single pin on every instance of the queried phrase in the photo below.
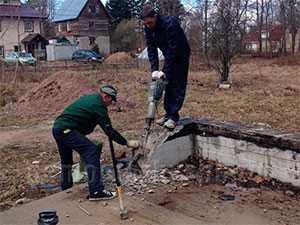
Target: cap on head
(147, 11)
(110, 90)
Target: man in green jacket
(70, 129)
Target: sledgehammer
(123, 210)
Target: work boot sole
(102, 199)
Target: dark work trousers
(88, 151)
(176, 89)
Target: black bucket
(48, 217)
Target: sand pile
(119, 57)
(53, 94)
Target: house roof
(22, 11)
(34, 37)
(275, 34)
(71, 9)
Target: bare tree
(268, 26)
(260, 21)
(225, 28)
(289, 18)
(283, 21)
(293, 21)
(47, 8)
(204, 6)
(168, 7)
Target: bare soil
(250, 206)
(118, 57)
(264, 92)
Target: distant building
(272, 40)
(19, 22)
(84, 22)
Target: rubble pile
(205, 173)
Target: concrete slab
(67, 206)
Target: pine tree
(120, 9)
(124, 9)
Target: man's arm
(173, 31)
(152, 50)
(105, 123)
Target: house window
(264, 35)
(16, 48)
(28, 26)
(92, 40)
(69, 27)
(1, 50)
(91, 25)
(92, 9)
(6, 1)
(62, 27)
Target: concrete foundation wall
(272, 162)
(171, 153)
(264, 151)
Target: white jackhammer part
(156, 91)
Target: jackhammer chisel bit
(156, 90)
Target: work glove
(133, 144)
(158, 75)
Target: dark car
(83, 55)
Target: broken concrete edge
(263, 137)
(267, 152)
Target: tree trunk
(294, 34)
(205, 27)
(225, 70)
(260, 21)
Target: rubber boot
(66, 177)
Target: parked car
(27, 58)
(83, 55)
(23, 58)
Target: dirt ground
(250, 206)
(264, 92)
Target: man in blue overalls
(165, 33)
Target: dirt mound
(118, 57)
(53, 94)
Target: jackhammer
(156, 90)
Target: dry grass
(263, 92)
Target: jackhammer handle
(114, 161)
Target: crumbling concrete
(262, 150)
